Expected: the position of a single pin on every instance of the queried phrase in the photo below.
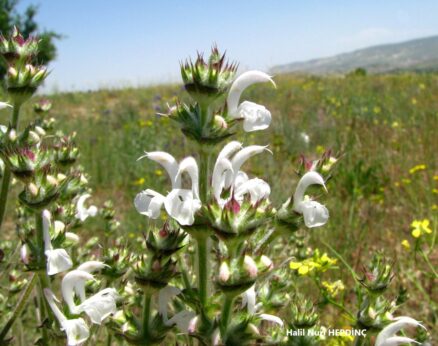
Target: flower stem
(146, 314)
(203, 263)
(44, 281)
(7, 172)
(426, 259)
(19, 307)
(203, 268)
(227, 308)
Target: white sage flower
(181, 319)
(98, 307)
(228, 176)
(58, 260)
(314, 213)
(82, 213)
(249, 299)
(181, 204)
(387, 336)
(255, 117)
(76, 329)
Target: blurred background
(357, 78)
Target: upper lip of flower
(390, 330)
(227, 169)
(241, 83)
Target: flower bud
(224, 272)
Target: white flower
(182, 319)
(181, 204)
(255, 117)
(83, 213)
(314, 213)
(249, 299)
(387, 336)
(227, 175)
(97, 307)
(76, 329)
(305, 137)
(58, 260)
(4, 105)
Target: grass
(382, 125)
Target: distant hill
(415, 55)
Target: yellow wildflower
(405, 244)
(395, 124)
(406, 181)
(417, 168)
(435, 177)
(377, 110)
(139, 181)
(158, 172)
(420, 227)
(320, 149)
(414, 101)
(434, 207)
(422, 86)
(435, 191)
(333, 288)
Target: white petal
(182, 320)
(249, 299)
(76, 330)
(46, 216)
(397, 340)
(390, 330)
(310, 178)
(83, 213)
(100, 306)
(58, 261)
(92, 266)
(169, 163)
(255, 117)
(190, 166)
(74, 282)
(241, 83)
(257, 188)
(223, 170)
(315, 214)
(229, 149)
(50, 297)
(164, 296)
(181, 205)
(272, 318)
(149, 203)
(244, 154)
(4, 105)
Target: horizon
(97, 50)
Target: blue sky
(111, 43)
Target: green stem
(203, 263)
(426, 259)
(146, 314)
(7, 172)
(203, 268)
(226, 313)
(19, 308)
(44, 281)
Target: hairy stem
(227, 308)
(44, 281)
(19, 307)
(7, 172)
(146, 314)
(203, 263)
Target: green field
(384, 127)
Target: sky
(115, 43)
